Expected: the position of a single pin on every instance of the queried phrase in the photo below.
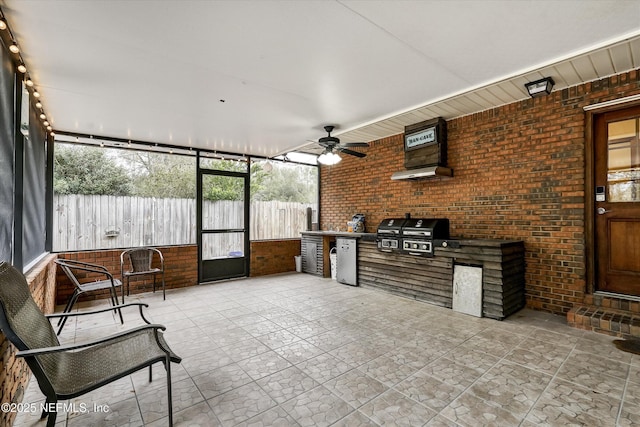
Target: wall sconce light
(540, 87)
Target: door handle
(602, 211)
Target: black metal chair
(78, 272)
(66, 371)
(139, 262)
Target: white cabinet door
(467, 290)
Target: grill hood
(424, 173)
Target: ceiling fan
(332, 146)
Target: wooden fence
(82, 222)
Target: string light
(10, 40)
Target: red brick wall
(15, 373)
(273, 256)
(519, 173)
(180, 264)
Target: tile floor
(297, 350)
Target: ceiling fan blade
(355, 144)
(353, 153)
(332, 143)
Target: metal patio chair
(83, 275)
(139, 262)
(67, 371)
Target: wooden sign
(425, 144)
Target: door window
(623, 173)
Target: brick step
(614, 301)
(606, 320)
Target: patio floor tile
(297, 350)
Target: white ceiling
(157, 70)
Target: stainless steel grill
(412, 236)
(388, 235)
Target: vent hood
(424, 173)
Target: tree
(221, 187)
(88, 170)
(99, 170)
(287, 183)
(162, 175)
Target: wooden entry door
(617, 201)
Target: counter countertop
(461, 241)
(342, 234)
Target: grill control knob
(445, 244)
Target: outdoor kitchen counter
(430, 279)
(365, 236)
(316, 247)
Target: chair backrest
(24, 324)
(21, 319)
(67, 269)
(140, 259)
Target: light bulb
(329, 158)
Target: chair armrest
(102, 310)
(70, 347)
(160, 256)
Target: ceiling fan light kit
(329, 158)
